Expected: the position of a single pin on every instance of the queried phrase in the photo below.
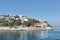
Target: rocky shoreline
(25, 28)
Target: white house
(41, 24)
(23, 18)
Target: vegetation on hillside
(13, 22)
(16, 21)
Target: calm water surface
(30, 35)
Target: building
(41, 24)
(23, 18)
(11, 17)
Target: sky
(48, 10)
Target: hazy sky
(48, 10)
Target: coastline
(25, 28)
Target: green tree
(26, 23)
(17, 22)
(33, 21)
(16, 16)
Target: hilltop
(21, 21)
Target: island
(19, 22)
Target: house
(11, 17)
(23, 18)
(41, 24)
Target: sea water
(30, 35)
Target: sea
(30, 35)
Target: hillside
(16, 20)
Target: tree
(17, 22)
(33, 21)
(26, 23)
(16, 16)
(49, 25)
